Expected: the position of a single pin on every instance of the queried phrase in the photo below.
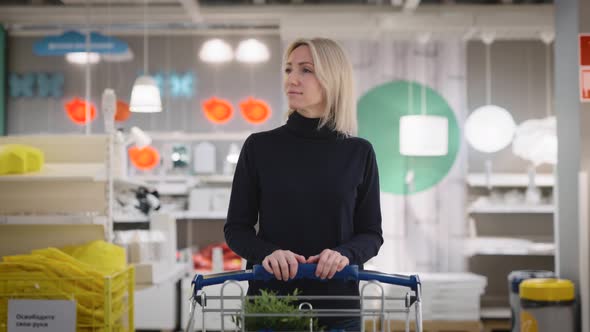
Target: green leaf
(268, 302)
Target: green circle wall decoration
(379, 112)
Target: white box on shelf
(220, 200)
(200, 200)
(445, 296)
(204, 158)
(166, 223)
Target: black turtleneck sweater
(309, 190)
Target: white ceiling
(337, 21)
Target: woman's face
(302, 87)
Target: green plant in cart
(269, 303)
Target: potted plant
(269, 303)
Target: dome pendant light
(145, 96)
(423, 135)
(489, 128)
(216, 51)
(252, 51)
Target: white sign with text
(41, 316)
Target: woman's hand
(283, 264)
(329, 262)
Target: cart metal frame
(307, 271)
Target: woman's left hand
(329, 262)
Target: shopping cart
(307, 271)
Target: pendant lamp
(535, 140)
(145, 96)
(83, 58)
(216, 51)
(252, 51)
(423, 135)
(489, 128)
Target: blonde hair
(334, 72)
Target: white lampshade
(252, 51)
(489, 128)
(423, 135)
(82, 58)
(216, 50)
(536, 141)
(145, 96)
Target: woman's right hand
(283, 264)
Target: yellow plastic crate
(107, 307)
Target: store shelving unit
(194, 228)
(180, 185)
(521, 227)
(66, 203)
(69, 203)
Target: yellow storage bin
(19, 158)
(109, 308)
(93, 275)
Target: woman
(310, 184)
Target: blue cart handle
(305, 271)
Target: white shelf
(509, 180)
(52, 220)
(61, 172)
(184, 178)
(162, 178)
(499, 246)
(213, 136)
(123, 218)
(495, 313)
(221, 215)
(181, 184)
(483, 206)
(511, 252)
(515, 253)
(216, 178)
(129, 183)
(172, 188)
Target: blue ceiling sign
(74, 41)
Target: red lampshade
(217, 110)
(76, 111)
(255, 111)
(123, 112)
(145, 158)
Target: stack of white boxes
(445, 296)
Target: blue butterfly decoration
(175, 85)
(181, 85)
(21, 85)
(50, 85)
